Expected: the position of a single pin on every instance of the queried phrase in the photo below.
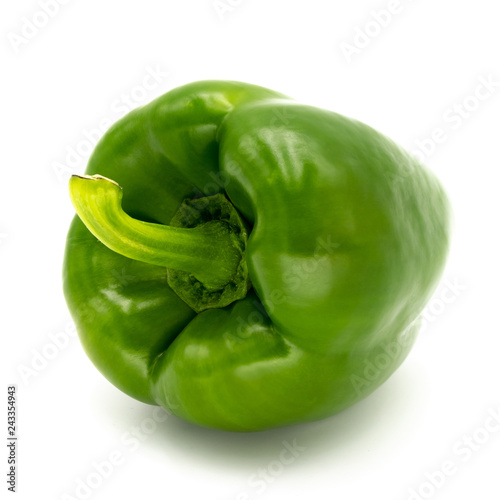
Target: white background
(63, 80)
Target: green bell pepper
(248, 262)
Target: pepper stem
(209, 251)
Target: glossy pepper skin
(347, 239)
